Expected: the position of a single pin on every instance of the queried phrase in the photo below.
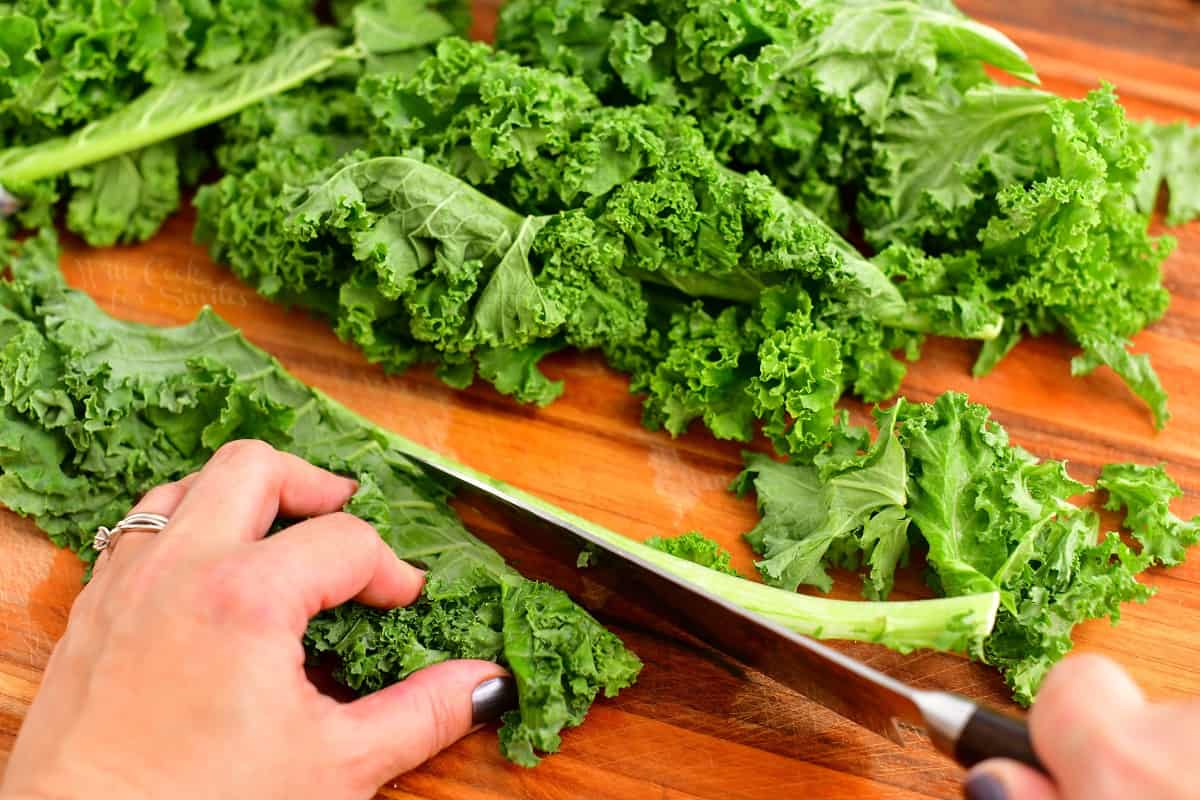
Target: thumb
(1001, 779)
(404, 725)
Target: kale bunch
(478, 214)
(880, 116)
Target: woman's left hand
(181, 673)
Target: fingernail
(492, 698)
(984, 787)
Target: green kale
(994, 205)
(1028, 208)
(834, 513)
(697, 548)
(1146, 493)
(1174, 160)
(124, 167)
(630, 215)
(127, 197)
(75, 62)
(96, 411)
(793, 89)
(990, 516)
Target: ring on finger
(106, 538)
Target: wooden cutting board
(696, 725)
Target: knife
(959, 727)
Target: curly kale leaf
(96, 411)
(1019, 204)
(125, 198)
(1023, 203)
(989, 515)
(75, 61)
(72, 64)
(435, 263)
(229, 55)
(541, 143)
(1174, 160)
(834, 514)
(1146, 493)
(792, 89)
(697, 548)
(994, 516)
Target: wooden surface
(696, 725)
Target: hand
(181, 672)
(1100, 740)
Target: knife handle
(989, 734)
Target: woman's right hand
(1100, 739)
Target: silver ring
(106, 538)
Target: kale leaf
(1174, 160)
(102, 92)
(990, 517)
(697, 548)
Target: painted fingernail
(984, 787)
(492, 698)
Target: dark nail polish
(492, 698)
(984, 787)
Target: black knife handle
(989, 734)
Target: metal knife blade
(957, 726)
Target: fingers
(1079, 725)
(327, 560)
(246, 484)
(1078, 702)
(1000, 779)
(402, 726)
(1075, 725)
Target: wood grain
(697, 725)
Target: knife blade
(957, 726)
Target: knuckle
(123, 581)
(238, 451)
(137, 578)
(232, 594)
(351, 527)
(158, 497)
